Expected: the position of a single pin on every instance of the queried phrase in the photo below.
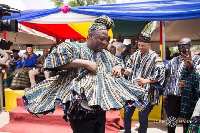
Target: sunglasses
(144, 39)
(183, 45)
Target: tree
(75, 3)
(58, 3)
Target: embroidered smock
(100, 89)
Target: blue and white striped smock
(101, 89)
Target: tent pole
(161, 52)
(162, 40)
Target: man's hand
(90, 65)
(187, 59)
(116, 71)
(142, 81)
(127, 72)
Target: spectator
(39, 68)
(13, 65)
(180, 90)
(26, 63)
(113, 50)
(58, 41)
(119, 46)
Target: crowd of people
(96, 77)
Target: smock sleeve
(63, 54)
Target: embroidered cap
(102, 23)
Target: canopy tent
(130, 18)
(176, 30)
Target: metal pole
(1, 93)
(163, 40)
(161, 48)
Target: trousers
(143, 118)
(34, 72)
(89, 124)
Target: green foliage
(74, 3)
(58, 3)
(195, 47)
(173, 50)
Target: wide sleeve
(63, 54)
(159, 71)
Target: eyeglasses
(183, 45)
(144, 39)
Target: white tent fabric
(63, 18)
(176, 30)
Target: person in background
(26, 63)
(88, 83)
(168, 53)
(194, 126)
(58, 41)
(146, 69)
(113, 50)
(130, 49)
(13, 64)
(39, 68)
(180, 93)
(119, 46)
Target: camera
(8, 24)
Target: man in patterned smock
(146, 69)
(87, 84)
(180, 92)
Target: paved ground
(154, 127)
(4, 119)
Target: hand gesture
(187, 59)
(24, 56)
(116, 71)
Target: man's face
(143, 47)
(99, 39)
(182, 48)
(118, 38)
(15, 55)
(45, 52)
(132, 50)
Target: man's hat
(185, 41)
(15, 51)
(143, 38)
(29, 45)
(102, 23)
